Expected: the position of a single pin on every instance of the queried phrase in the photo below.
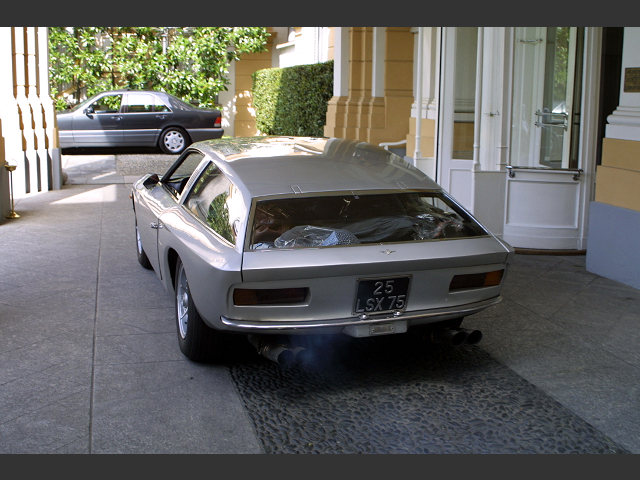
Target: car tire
(142, 256)
(174, 140)
(197, 341)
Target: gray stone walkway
(88, 355)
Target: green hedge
(293, 100)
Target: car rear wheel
(142, 256)
(198, 342)
(174, 140)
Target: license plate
(398, 326)
(381, 295)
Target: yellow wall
(245, 117)
(427, 137)
(375, 119)
(618, 177)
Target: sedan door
(100, 123)
(144, 116)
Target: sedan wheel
(173, 140)
(197, 341)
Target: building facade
(536, 130)
(28, 134)
(513, 121)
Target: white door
(545, 179)
(457, 112)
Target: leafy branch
(189, 62)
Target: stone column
(29, 163)
(9, 115)
(35, 105)
(430, 78)
(358, 107)
(614, 216)
(336, 107)
(618, 176)
(392, 92)
(50, 125)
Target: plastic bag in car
(381, 229)
(309, 236)
(436, 225)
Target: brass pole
(11, 168)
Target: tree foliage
(191, 62)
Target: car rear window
(332, 220)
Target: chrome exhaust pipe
(473, 336)
(452, 336)
(279, 353)
(305, 357)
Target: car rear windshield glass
(178, 104)
(325, 221)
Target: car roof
(276, 165)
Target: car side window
(140, 103)
(216, 201)
(159, 106)
(178, 175)
(107, 104)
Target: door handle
(117, 117)
(157, 226)
(550, 119)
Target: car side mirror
(151, 181)
(89, 110)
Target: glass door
(546, 113)
(545, 182)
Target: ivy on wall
(293, 100)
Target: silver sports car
(276, 237)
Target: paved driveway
(89, 362)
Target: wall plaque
(632, 80)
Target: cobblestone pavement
(401, 394)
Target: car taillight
(269, 296)
(217, 123)
(476, 280)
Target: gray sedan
(137, 118)
(280, 237)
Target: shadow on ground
(401, 394)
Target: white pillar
(37, 112)
(495, 97)
(377, 62)
(9, 111)
(419, 97)
(430, 77)
(29, 164)
(624, 122)
(48, 109)
(341, 62)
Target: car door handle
(117, 117)
(161, 117)
(157, 226)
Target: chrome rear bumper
(337, 325)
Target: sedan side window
(140, 102)
(159, 106)
(107, 104)
(216, 201)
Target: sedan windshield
(325, 221)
